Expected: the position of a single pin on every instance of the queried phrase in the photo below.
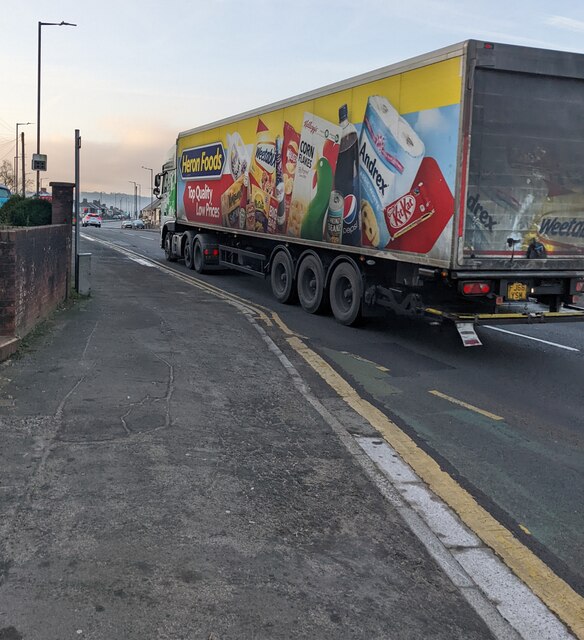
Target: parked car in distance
(4, 194)
(91, 220)
(133, 224)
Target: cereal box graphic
(318, 152)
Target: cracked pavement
(161, 477)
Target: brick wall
(34, 275)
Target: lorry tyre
(346, 293)
(168, 254)
(282, 278)
(198, 258)
(188, 251)
(310, 284)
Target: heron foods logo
(204, 162)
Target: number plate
(517, 291)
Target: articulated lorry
(448, 187)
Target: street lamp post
(135, 198)
(151, 181)
(43, 24)
(18, 124)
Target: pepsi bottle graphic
(347, 179)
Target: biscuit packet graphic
(289, 160)
(371, 231)
(263, 164)
(237, 155)
(262, 211)
(233, 200)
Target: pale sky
(132, 75)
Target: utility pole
(23, 172)
(18, 124)
(76, 207)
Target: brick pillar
(62, 201)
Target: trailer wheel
(310, 284)
(282, 278)
(346, 293)
(198, 258)
(168, 254)
(189, 262)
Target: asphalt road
(504, 419)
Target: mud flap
(468, 334)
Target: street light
(135, 198)
(43, 24)
(18, 124)
(151, 181)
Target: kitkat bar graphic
(416, 220)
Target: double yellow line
(543, 582)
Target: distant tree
(7, 177)
(7, 174)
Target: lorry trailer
(448, 187)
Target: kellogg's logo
(308, 124)
(205, 162)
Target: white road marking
(145, 263)
(521, 335)
(152, 237)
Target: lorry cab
(165, 188)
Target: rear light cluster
(579, 286)
(211, 252)
(476, 288)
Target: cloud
(568, 24)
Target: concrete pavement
(161, 477)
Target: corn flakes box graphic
(318, 152)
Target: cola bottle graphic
(347, 179)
